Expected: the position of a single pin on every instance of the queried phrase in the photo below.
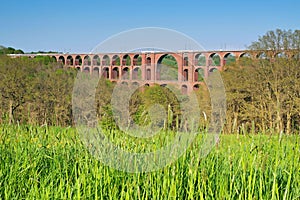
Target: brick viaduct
(142, 68)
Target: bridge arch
(106, 60)
(167, 68)
(78, 60)
(116, 60)
(96, 71)
(61, 60)
(280, 55)
(245, 55)
(54, 58)
(137, 60)
(213, 69)
(125, 73)
(196, 87)
(262, 55)
(184, 89)
(105, 72)
(185, 61)
(148, 61)
(245, 58)
(126, 60)
(137, 73)
(115, 73)
(96, 60)
(185, 75)
(136, 84)
(87, 60)
(199, 74)
(200, 59)
(124, 83)
(70, 60)
(148, 74)
(87, 69)
(214, 59)
(229, 58)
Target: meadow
(52, 163)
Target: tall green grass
(52, 163)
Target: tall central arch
(167, 68)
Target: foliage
(10, 50)
(263, 94)
(35, 91)
(278, 40)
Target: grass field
(52, 163)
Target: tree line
(10, 50)
(263, 95)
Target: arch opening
(105, 73)
(185, 61)
(262, 55)
(229, 58)
(61, 60)
(136, 84)
(116, 60)
(70, 60)
(96, 60)
(200, 60)
(53, 59)
(137, 60)
(148, 61)
(167, 68)
(96, 71)
(245, 55)
(184, 89)
(137, 74)
(196, 87)
(87, 61)
(86, 70)
(212, 70)
(214, 59)
(245, 59)
(106, 60)
(148, 74)
(115, 73)
(78, 60)
(126, 60)
(199, 75)
(185, 75)
(125, 73)
(281, 55)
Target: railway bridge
(188, 68)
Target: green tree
(15, 87)
(264, 93)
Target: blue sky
(78, 26)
